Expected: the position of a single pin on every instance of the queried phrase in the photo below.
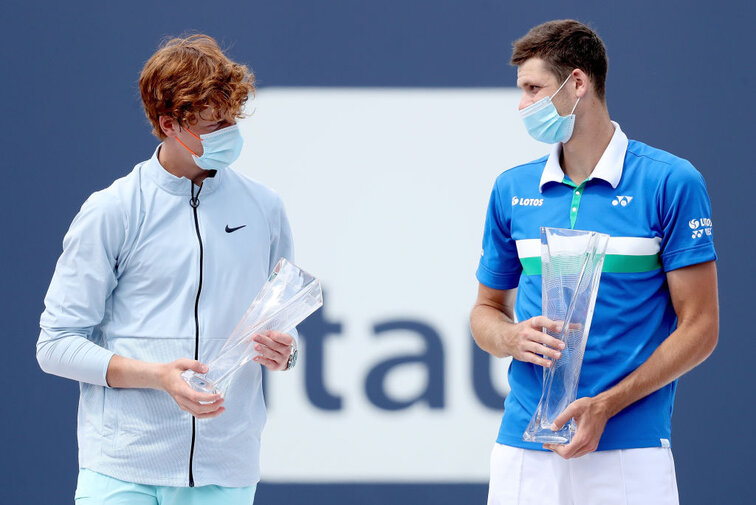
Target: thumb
(192, 364)
(562, 418)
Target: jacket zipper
(194, 202)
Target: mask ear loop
(560, 89)
(575, 107)
(185, 146)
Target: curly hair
(564, 45)
(187, 75)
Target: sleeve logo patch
(700, 227)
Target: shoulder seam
(541, 160)
(637, 155)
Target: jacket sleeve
(84, 278)
(281, 243)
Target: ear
(582, 82)
(169, 126)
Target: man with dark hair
(156, 271)
(656, 316)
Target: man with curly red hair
(155, 272)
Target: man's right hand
(200, 405)
(527, 342)
(493, 327)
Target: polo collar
(177, 185)
(608, 168)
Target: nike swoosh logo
(231, 230)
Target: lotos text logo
(527, 202)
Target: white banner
(386, 191)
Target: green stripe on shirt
(613, 264)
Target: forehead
(534, 71)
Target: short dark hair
(564, 45)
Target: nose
(524, 101)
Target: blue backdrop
(681, 78)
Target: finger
(269, 363)
(547, 340)
(191, 364)
(191, 400)
(577, 447)
(198, 409)
(206, 398)
(203, 415)
(543, 350)
(269, 353)
(539, 322)
(282, 338)
(202, 410)
(586, 449)
(561, 450)
(563, 417)
(536, 359)
(273, 344)
(196, 412)
(211, 414)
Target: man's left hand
(274, 348)
(590, 416)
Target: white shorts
(622, 477)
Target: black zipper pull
(194, 200)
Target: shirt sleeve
(685, 211)
(84, 278)
(499, 266)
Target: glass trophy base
(200, 383)
(543, 434)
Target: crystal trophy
(289, 295)
(571, 262)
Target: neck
(180, 164)
(582, 152)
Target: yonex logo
(527, 202)
(624, 201)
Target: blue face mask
(544, 123)
(219, 148)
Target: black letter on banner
(433, 358)
(481, 376)
(313, 332)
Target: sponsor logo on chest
(526, 202)
(622, 201)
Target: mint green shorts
(97, 489)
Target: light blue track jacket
(145, 275)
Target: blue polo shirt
(656, 210)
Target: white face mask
(219, 148)
(544, 123)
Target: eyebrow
(523, 83)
